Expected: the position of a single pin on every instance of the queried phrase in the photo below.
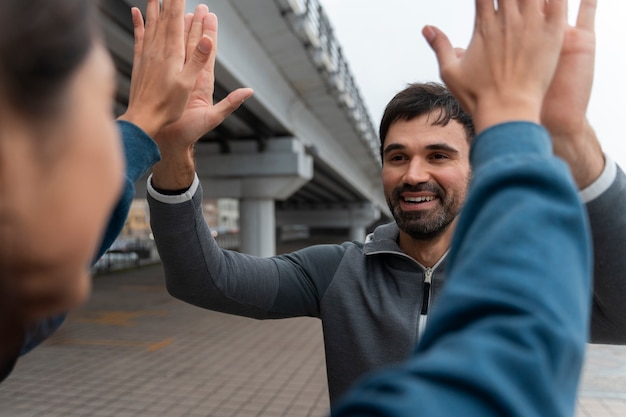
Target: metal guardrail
(309, 21)
(134, 253)
(227, 238)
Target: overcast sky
(384, 47)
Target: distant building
(209, 207)
(222, 216)
(138, 222)
(228, 210)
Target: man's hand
(164, 68)
(176, 169)
(565, 105)
(510, 62)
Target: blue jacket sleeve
(141, 154)
(507, 336)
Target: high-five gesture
(176, 169)
(164, 68)
(510, 62)
(201, 115)
(565, 105)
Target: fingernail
(429, 33)
(204, 45)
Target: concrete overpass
(303, 150)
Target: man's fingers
(196, 29)
(188, 20)
(230, 103)
(139, 30)
(172, 9)
(198, 59)
(210, 30)
(556, 11)
(210, 26)
(173, 33)
(587, 15)
(152, 17)
(484, 9)
(510, 7)
(441, 45)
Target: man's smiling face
(425, 175)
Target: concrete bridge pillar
(357, 233)
(257, 223)
(257, 179)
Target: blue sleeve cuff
(140, 150)
(141, 154)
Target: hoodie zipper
(426, 290)
(426, 286)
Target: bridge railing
(128, 253)
(311, 24)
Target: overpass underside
(303, 150)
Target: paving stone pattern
(134, 351)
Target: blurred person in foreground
(66, 179)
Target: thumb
(232, 102)
(199, 57)
(441, 45)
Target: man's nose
(416, 173)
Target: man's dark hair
(42, 44)
(424, 98)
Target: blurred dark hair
(424, 98)
(42, 44)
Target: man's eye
(396, 158)
(439, 156)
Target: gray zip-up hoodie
(370, 296)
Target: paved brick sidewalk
(603, 388)
(133, 351)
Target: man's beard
(425, 224)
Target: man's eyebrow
(442, 147)
(393, 147)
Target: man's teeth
(418, 199)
